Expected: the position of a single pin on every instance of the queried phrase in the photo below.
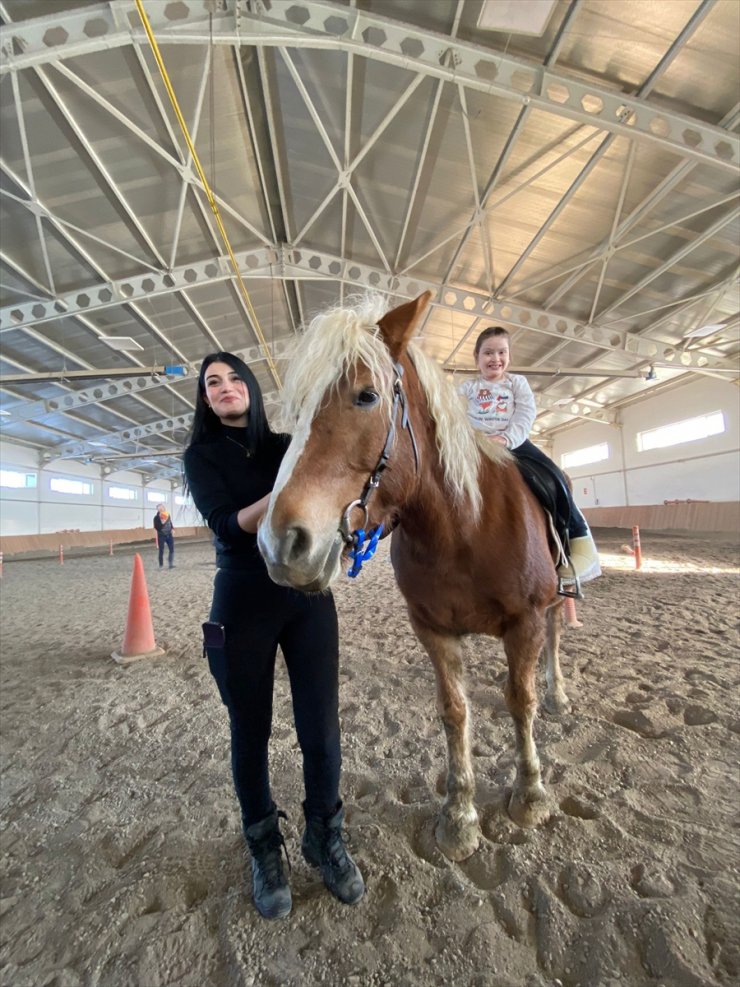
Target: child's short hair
(487, 333)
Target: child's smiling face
(493, 358)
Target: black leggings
(258, 616)
(577, 526)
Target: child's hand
(498, 438)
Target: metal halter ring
(344, 528)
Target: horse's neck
(430, 515)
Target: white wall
(705, 470)
(33, 511)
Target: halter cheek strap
(356, 539)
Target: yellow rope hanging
(206, 186)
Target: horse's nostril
(297, 543)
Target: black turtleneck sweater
(223, 478)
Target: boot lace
(267, 852)
(336, 852)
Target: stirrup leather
(574, 592)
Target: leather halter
(355, 537)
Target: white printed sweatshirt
(504, 407)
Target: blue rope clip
(356, 553)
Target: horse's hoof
(457, 840)
(530, 808)
(557, 704)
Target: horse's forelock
(332, 344)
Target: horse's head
(339, 397)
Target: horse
(380, 434)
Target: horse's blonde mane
(458, 450)
(331, 344)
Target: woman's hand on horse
(249, 517)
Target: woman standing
(231, 462)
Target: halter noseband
(356, 539)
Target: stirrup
(572, 594)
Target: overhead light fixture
(123, 343)
(4, 413)
(516, 16)
(704, 331)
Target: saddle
(548, 485)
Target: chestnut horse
(380, 434)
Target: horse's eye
(366, 398)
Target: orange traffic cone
(138, 639)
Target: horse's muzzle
(295, 559)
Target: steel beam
(139, 433)
(89, 374)
(297, 265)
(250, 355)
(137, 379)
(316, 25)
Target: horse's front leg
(457, 830)
(523, 642)
(556, 701)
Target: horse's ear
(399, 325)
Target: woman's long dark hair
(207, 424)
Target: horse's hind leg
(523, 642)
(457, 829)
(556, 701)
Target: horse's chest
(448, 597)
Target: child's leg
(583, 552)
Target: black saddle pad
(548, 486)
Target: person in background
(502, 406)
(164, 527)
(230, 464)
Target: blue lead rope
(356, 553)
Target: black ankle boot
(323, 846)
(270, 887)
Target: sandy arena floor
(122, 860)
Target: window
(180, 500)
(582, 457)
(156, 497)
(122, 493)
(12, 478)
(61, 484)
(690, 430)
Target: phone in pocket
(214, 635)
